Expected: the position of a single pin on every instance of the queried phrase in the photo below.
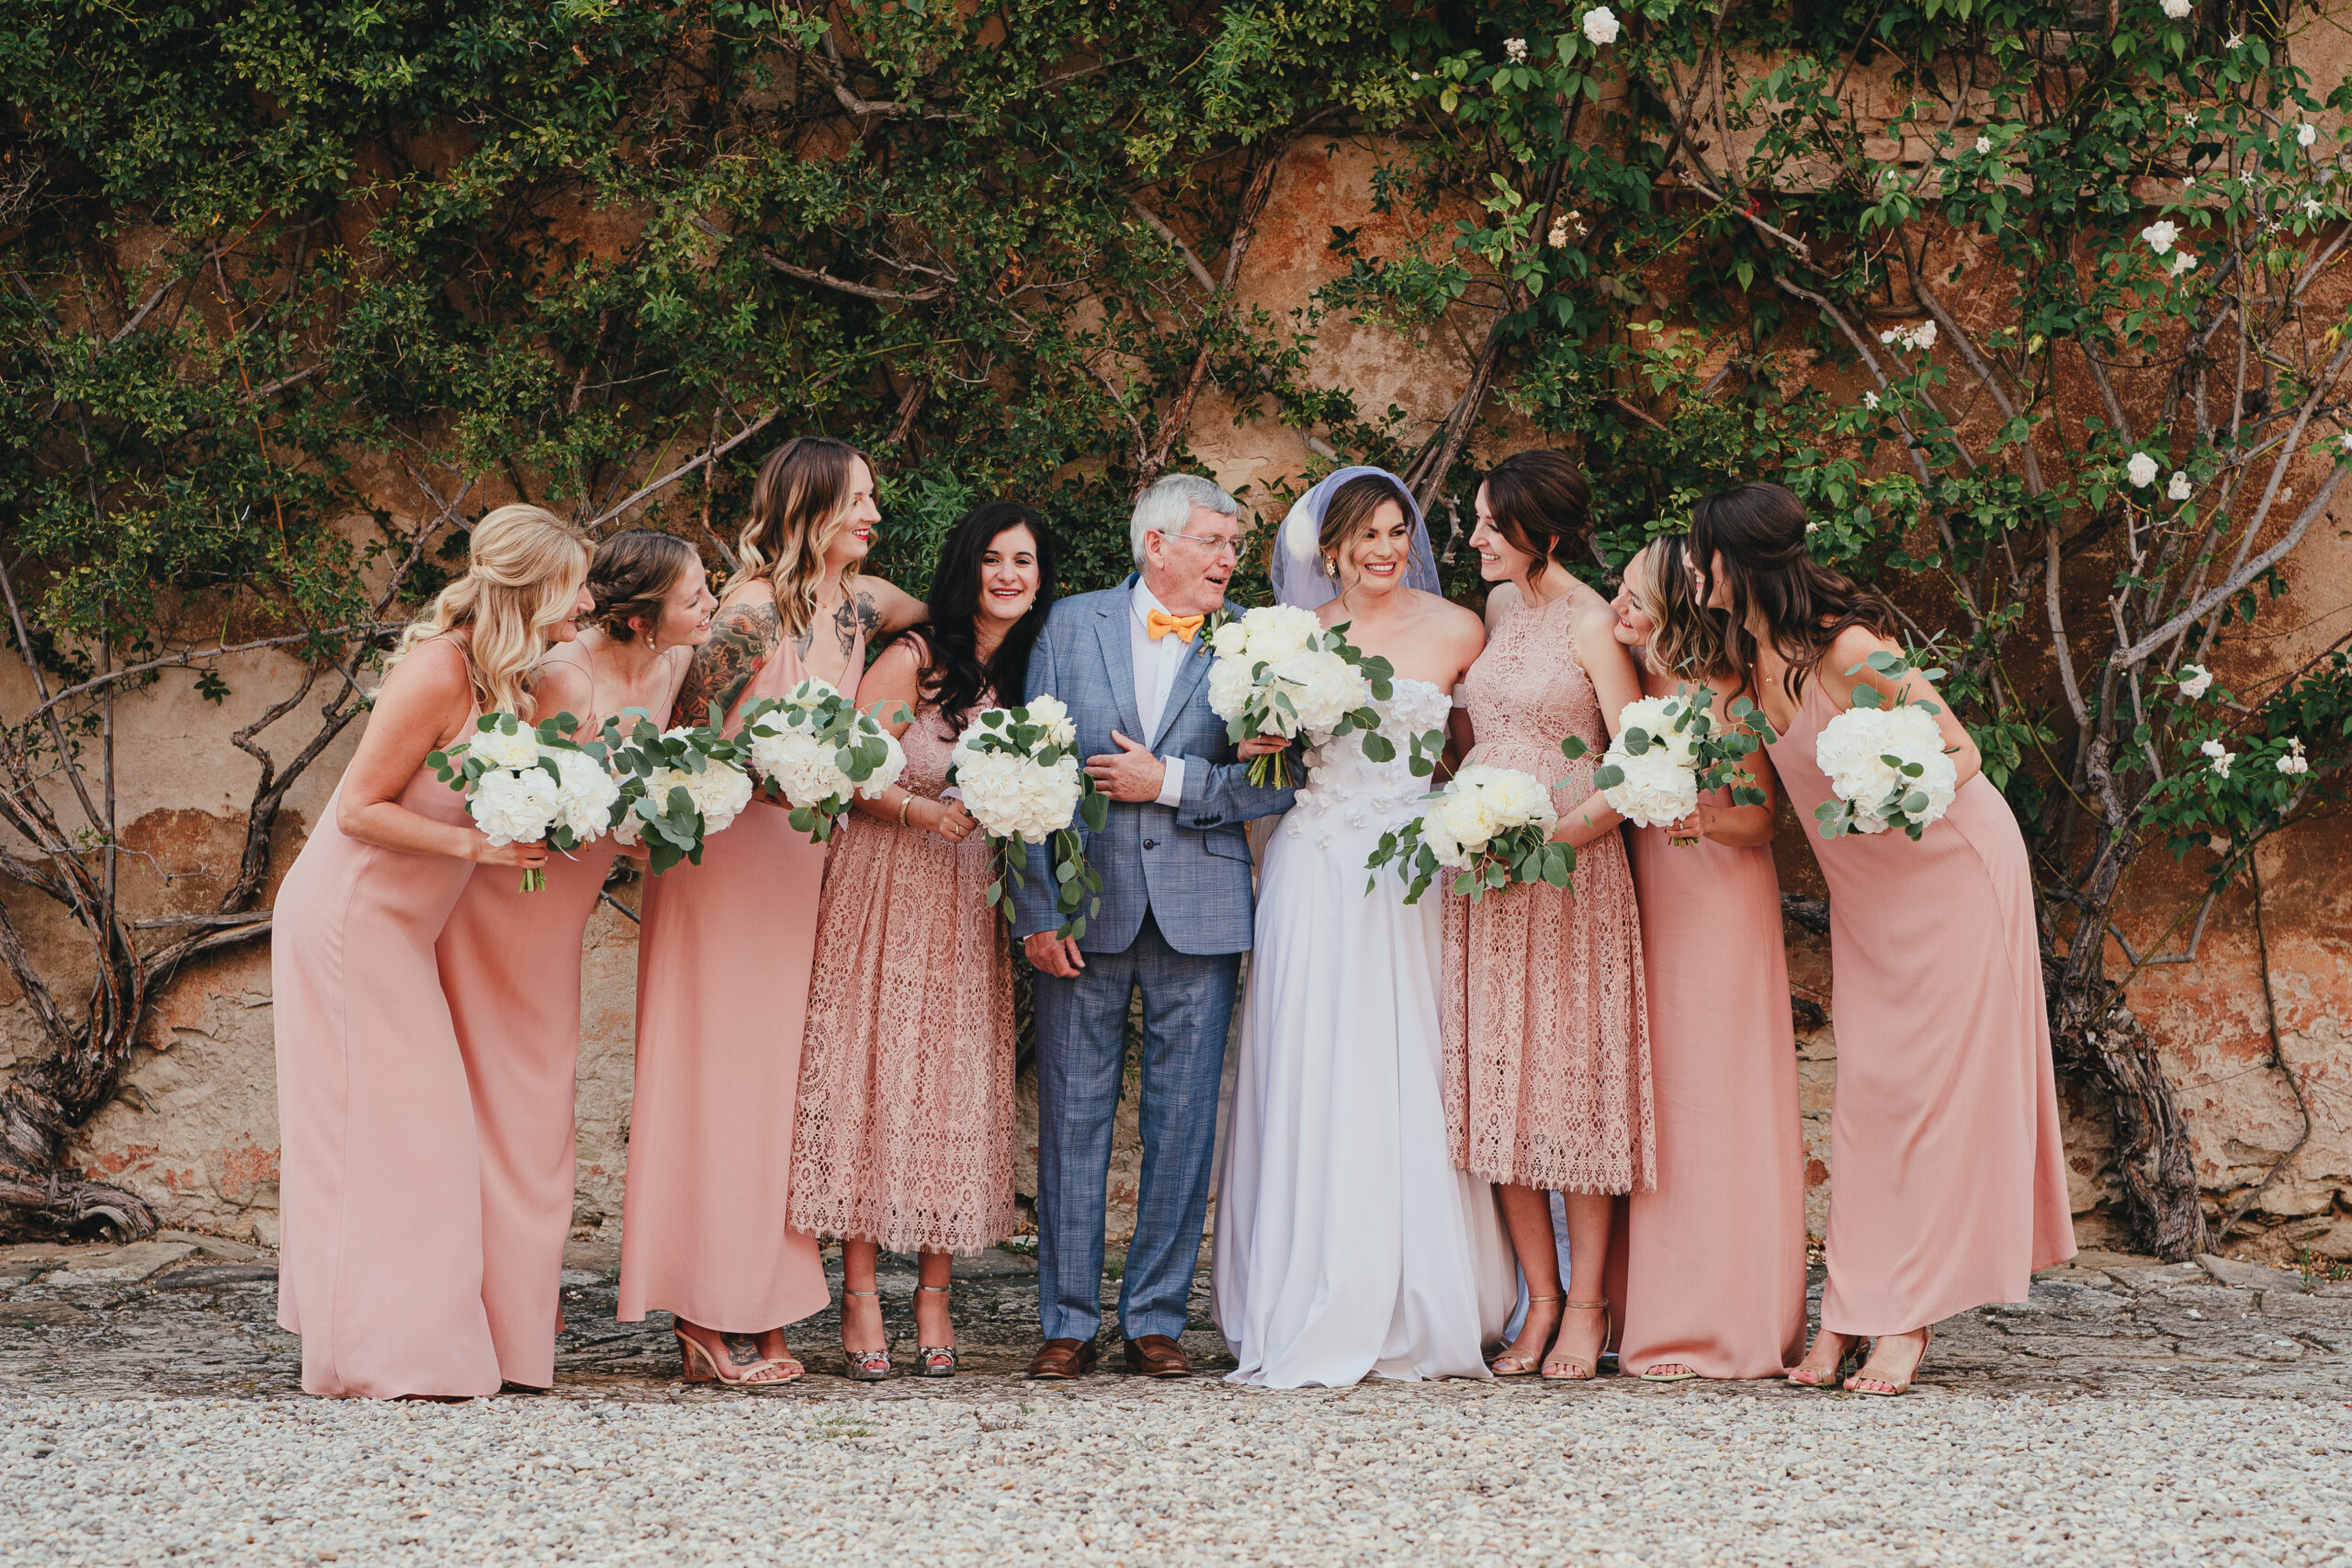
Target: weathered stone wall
(194, 1128)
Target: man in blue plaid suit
(1178, 913)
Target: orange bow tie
(1160, 622)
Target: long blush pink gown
(1709, 1269)
(1948, 1181)
(380, 1173)
(722, 998)
(1547, 1030)
(510, 965)
(906, 1076)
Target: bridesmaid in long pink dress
(906, 1077)
(725, 948)
(1949, 1180)
(510, 960)
(1709, 1269)
(380, 1263)
(1548, 1045)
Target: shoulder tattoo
(740, 643)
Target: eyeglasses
(1220, 545)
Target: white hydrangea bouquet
(532, 783)
(1886, 765)
(1669, 751)
(678, 787)
(816, 751)
(1016, 771)
(1281, 671)
(1492, 826)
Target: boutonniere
(1217, 621)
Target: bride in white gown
(1347, 1243)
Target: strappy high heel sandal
(1591, 1368)
(1668, 1372)
(867, 1366)
(1522, 1366)
(934, 1361)
(1815, 1377)
(1862, 1382)
(701, 1366)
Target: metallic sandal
(934, 1361)
(1850, 1356)
(1522, 1366)
(867, 1366)
(1862, 1382)
(1574, 1370)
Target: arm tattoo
(853, 617)
(738, 645)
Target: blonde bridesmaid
(905, 1138)
(1949, 1181)
(380, 1266)
(1709, 1269)
(725, 948)
(510, 960)
(1546, 1023)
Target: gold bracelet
(906, 806)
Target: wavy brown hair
(1687, 641)
(1757, 531)
(800, 503)
(522, 574)
(1542, 504)
(632, 577)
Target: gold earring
(1332, 568)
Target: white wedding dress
(1347, 1243)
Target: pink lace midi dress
(510, 965)
(1948, 1179)
(905, 1133)
(1546, 1019)
(722, 996)
(380, 1263)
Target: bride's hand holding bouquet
(1281, 673)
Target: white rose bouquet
(532, 783)
(1887, 766)
(678, 787)
(1669, 751)
(814, 750)
(1281, 671)
(1492, 826)
(1016, 771)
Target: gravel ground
(1121, 1472)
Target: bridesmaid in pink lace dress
(380, 1268)
(724, 952)
(1949, 1180)
(1708, 1271)
(1546, 1023)
(510, 960)
(906, 1076)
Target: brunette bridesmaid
(1708, 1270)
(1546, 1023)
(905, 1136)
(724, 952)
(1949, 1181)
(510, 960)
(380, 1266)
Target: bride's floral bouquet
(1016, 771)
(814, 750)
(1887, 766)
(678, 787)
(1281, 671)
(1492, 826)
(1669, 751)
(531, 784)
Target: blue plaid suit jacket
(1189, 864)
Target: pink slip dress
(722, 996)
(1948, 1179)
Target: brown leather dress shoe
(1158, 1355)
(1063, 1358)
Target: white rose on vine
(1600, 24)
(2141, 470)
(2195, 679)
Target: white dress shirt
(1155, 661)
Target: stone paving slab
(179, 1318)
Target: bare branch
(826, 279)
(1191, 262)
(701, 459)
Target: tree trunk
(2094, 1032)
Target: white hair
(1166, 507)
